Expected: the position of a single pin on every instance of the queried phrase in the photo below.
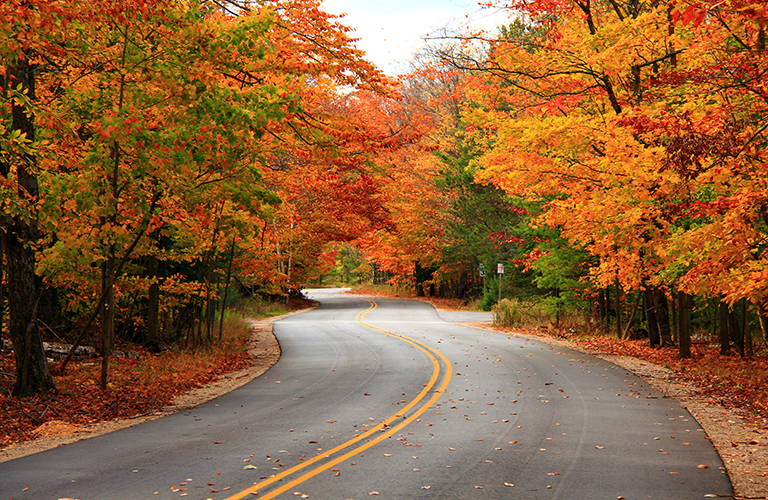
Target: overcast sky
(390, 31)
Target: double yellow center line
(375, 435)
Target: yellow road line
(360, 318)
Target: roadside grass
(257, 308)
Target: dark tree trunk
(226, 288)
(602, 311)
(661, 307)
(107, 317)
(725, 338)
(2, 289)
(735, 332)
(673, 305)
(749, 349)
(650, 316)
(19, 237)
(762, 317)
(683, 325)
(153, 294)
(153, 301)
(618, 310)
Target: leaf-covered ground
(139, 385)
(732, 381)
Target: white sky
(390, 31)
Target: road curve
(381, 397)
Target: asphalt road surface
(383, 398)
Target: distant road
(381, 397)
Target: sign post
(500, 271)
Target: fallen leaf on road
(702, 466)
(373, 492)
(250, 467)
(478, 487)
(508, 484)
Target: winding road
(385, 398)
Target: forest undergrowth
(141, 382)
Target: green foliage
(256, 308)
(490, 294)
(349, 267)
(561, 270)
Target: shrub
(521, 314)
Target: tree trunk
(683, 325)
(618, 310)
(673, 305)
(749, 349)
(107, 317)
(601, 309)
(19, 237)
(763, 319)
(661, 308)
(631, 318)
(725, 338)
(2, 289)
(735, 332)
(153, 301)
(650, 316)
(226, 288)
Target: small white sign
(500, 268)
